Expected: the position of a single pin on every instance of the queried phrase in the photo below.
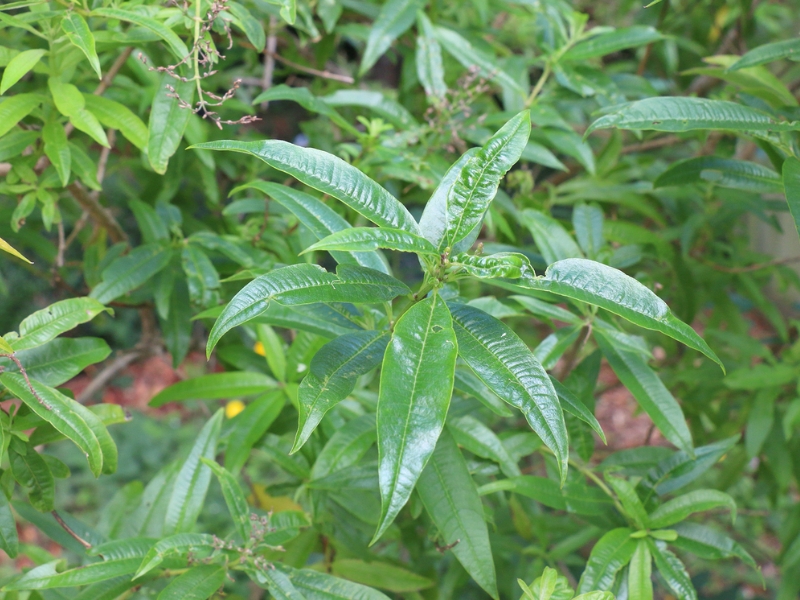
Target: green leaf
(364, 239)
(191, 483)
(215, 386)
(391, 111)
(687, 114)
(198, 583)
(640, 582)
(650, 392)
(118, 116)
(672, 571)
(16, 108)
(767, 53)
(574, 406)
(332, 376)
(315, 585)
(330, 175)
(724, 172)
(307, 100)
(550, 237)
(234, 498)
(507, 366)
(15, 142)
(476, 437)
(469, 56)
(9, 540)
(180, 544)
(511, 265)
(70, 102)
(710, 544)
(175, 44)
(63, 413)
(18, 66)
(630, 500)
(345, 447)
(610, 554)
(6, 247)
(201, 276)
(129, 272)
(791, 185)
(31, 472)
(542, 490)
(676, 510)
(457, 206)
(57, 150)
(416, 385)
(450, 498)
(252, 26)
(278, 583)
(380, 575)
(320, 219)
(588, 221)
(250, 425)
(168, 121)
(45, 577)
(80, 35)
(395, 17)
(304, 284)
(44, 325)
(612, 41)
(430, 68)
(613, 290)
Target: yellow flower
(258, 348)
(233, 408)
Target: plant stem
(539, 85)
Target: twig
(269, 59)
(103, 162)
(310, 71)
(751, 268)
(62, 246)
(99, 214)
(12, 357)
(649, 49)
(662, 142)
(572, 354)
(69, 530)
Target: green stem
(539, 85)
(197, 21)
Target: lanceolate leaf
(167, 122)
(118, 116)
(44, 325)
(672, 571)
(333, 374)
(725, 172)
(611, 552)
(179, 544)
(305, 284)
(768, 53)
(198, 583)
(57, 150)
(686, 114)
(450, 497)
(395, 17)
(430, 69)
(640, 583)
(415, 388)
(31, 471)
(320, 219)
(315, 585)
(18, 67)
(649, 391)
(175, 44)
(391, 111)
(364, 239)
(710, 544)
(191, 482)
(678, 509)
(16, 108)
(612, 41)
(131, 271)
(9, 540)
(80, 35)
(330, 175)
(791, 185)
(61, 412)
(469, 187)
(215, 386)
(574, 406)
(505, 364)
(307, 100)
(608, 288)
(234, 498)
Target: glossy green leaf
(278, 583)
(791, 185)
(16, 108)
(252, 26)
(676, 510)
(118, 116)
(168, 121)
(70, 102)
(320, 219)
(430, 68)
(44, 577)
(61, 412)
(415, 388)
(612, 41)
(201, 276)
(15, 142)
(9, 540)
(710, 544)
(630, 501)
(640, 582)
(332, 376)
(315, 585)
(32, 473)
(588, 221)
(18, 67)
(250, 425)
(174, 42)
(389, 110)
(131, 271)
(459, 203)
(542, 490)
(476, 437)
(234, 498)
(768, 53)
(330, 175)
(507, 366)
(78, 32)
(192, 480)
(450, 498)
(198, 583)
(609, 288)
(610, 554)
(650, 392)
(687, 114)
(724, 172)
(180, 544)
(57, 150)
(381, 575)
(395, 17)
(573, 405)
(345, 447)
(510, 265)
(307, 100)
(365, 239)
(550, 237)
(44, 325)
(672, 571)
(305, 284)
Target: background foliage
(631, 150)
